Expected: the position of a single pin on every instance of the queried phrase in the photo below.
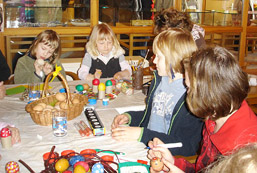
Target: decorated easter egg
(108, 83)
(84, 164)
(101, 87)
(76, 159)
(86, 86)
(98, 168)
(113, 81)
(156, 164)
(61, 165)
(96, 82)
(12, 167)
(79, 169)
(79, 88)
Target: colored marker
(169, 145)
(79, 129)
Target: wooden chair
(73, 75)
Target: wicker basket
(44, 118)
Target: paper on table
(134, 108)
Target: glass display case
(41, 13)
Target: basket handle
(65, 85)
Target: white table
(37, 140)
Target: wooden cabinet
(121, 24)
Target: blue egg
(76, 159)
(98, 168)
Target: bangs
(53, 44)
(105, 36)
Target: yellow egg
(60, 97)
(79, 169)
(61, 165)
(38, 108)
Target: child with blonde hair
(166, 114)
(105, 57)
(217, 88)
(40, 59)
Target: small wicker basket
(44, 118)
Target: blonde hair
(102, 32)
(49, 38)
(175, 44)
(243, 160)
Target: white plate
(80, 23)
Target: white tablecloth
(37, 140)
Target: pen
(88, 130)
(110, 152)
(169, 145)
(79, 129)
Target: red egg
(96, 82)
(156, 164)
(84, 164)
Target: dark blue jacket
(184, 126)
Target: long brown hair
(218, 85)
(49, 38)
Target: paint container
(105, 101)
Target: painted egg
(101, 87)
(38, 108)
(79, 169)
(75, 101)
(61, 165)
(98, 168)
(86, 86)
(12, 167)
(84, 164)
(156, 164)
(76, 159)
(108, 83)
(79, 88)
(96, 82)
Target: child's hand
(98, 74)
(126, 133)
(48, 68)
(90, 77)
(120, 120)
(160, 152)
(118, 75)
(2, 90)
(38, 66)
(171, 167)
(125, 74)
(15, 134)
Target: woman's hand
(15, 134)
(126, 133)
(120, 120)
